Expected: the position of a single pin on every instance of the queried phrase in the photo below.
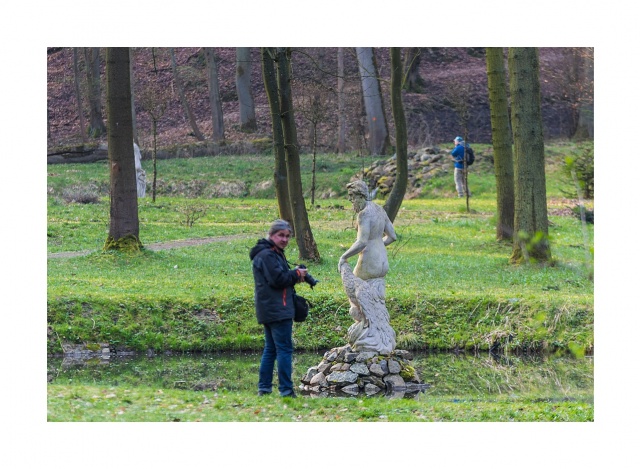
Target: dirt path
(160, 246)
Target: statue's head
(358, 190)
(358, 194)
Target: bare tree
(124, 228)
(154, 102)
(413, 82)
(314, 107)
(243, 87)
(134, 119)
(573, 77)
(304, 236)
(214, 95)
(97, 127)
(459, 94)
(183, 97)
(379, 142)
(394, 201)
(269, 77)
(585, 124)
(76, 82)
(342, 113)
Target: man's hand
(301, 274)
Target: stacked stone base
(344, 372)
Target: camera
(308, 278)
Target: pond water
(448, 375)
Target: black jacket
(274, 282)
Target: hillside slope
(431, 115)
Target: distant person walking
(458, 166)
(273, 295)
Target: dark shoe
(263, 393)
(292, 395)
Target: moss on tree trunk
(127, 243)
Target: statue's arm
(361, 240)
(390, 233)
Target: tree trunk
(465, 173)
(396, 196)
(154, 130)
(313, 163)
(304, 236)
(214, 96)
(76, 82)
(243, 86)
(584, 130)
(124, 225)
(280, 168)
(531, 226)
(376, 120)
(502, 142)
(342, 113)
(413, 82)
(134, 124)
(97, 127)
(183, 98)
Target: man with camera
(273, 295)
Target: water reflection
(536, 376)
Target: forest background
(615, 331)
(447, 91)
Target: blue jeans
(278, 346)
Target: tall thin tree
(183, 97)
(243, 87)
(97, 127)
(342, 113)
(153, 98)
(134, 120)
(460, 96)
(502, 142)
(76, 82)
(531, 225)
(124, 228)
(379, 142)
(280, 164)
(215, 101)
(394, 201)
(584, 130)
(413, 81)
(304, 236)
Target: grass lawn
(450, 284)
(450, 287)
(141, 404)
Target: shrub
(192, 212)
(81, 195)
(579, 170)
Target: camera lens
(308, 278)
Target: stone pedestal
(344, 372)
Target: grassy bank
(450, 285)
(221, 388)
(140, 404)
